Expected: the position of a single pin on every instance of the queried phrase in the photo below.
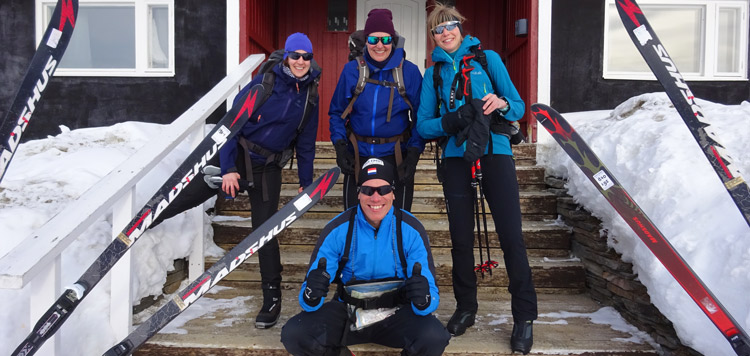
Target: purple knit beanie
(379, 20)
(297, 41)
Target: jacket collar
(289, 80)
(393, 62)
(440, 55)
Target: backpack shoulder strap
(348, 245)
(481, 58)
(398, 77)
(311, 103)
(364, 74)
(269, 78)
(400, 240)
(437, 83)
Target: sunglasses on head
(450, 25)
(369, 191)
(373, 40)
(295, 56)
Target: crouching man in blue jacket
(380, 258)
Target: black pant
(321, 332)
(500, 188)
(404, 190)
(198, 192)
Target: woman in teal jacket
(466, 104)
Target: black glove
(344, 159)
(409, 165)
(417, 289)
(476, 135)
(317, 284)
(455, 121)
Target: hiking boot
(522, 338)
(271, 309)
(460, 321)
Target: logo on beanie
(373, 161)
(371, 171)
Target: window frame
(142, 12)
(709, 38)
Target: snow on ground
(643, 142)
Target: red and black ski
(246, 248)
(43, 65)
(666, 72)
(619, 198)
(225, 129)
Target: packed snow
(643, 142)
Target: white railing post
(44, 292)
(120, 301)
(195, 218)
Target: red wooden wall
(267, 23)
(493, 22)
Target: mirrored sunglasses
(373, 40)
(369, 191)
(450, 25)
(295, 56)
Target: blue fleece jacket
(274, 125)
(374, 253)
(430, 126)
(370, 111)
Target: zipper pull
(297, 84)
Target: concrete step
(551, 273)
(529, 177)
(222, 323)
(543, 238)
(541, 204)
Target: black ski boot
(522, 337)
(269, 312)
(460, 321)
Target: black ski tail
(666, 72)
(618, 197)
(231, 260)
(225, 129)
(43, 64)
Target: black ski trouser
(404, 191)
(321, 332)
(500, 188)
(198, 192)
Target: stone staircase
(570, 322)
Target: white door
(408, 20)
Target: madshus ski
(225, 129)
(619, 198)
(43, 65)
(666, 72)
(246, 248)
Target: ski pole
(489, 264)
(474, 183)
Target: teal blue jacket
(430, 127)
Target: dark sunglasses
(369, 191)
(373, 40)
(448, 26)
(295, 56)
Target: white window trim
(710, 34)
(141, 49)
